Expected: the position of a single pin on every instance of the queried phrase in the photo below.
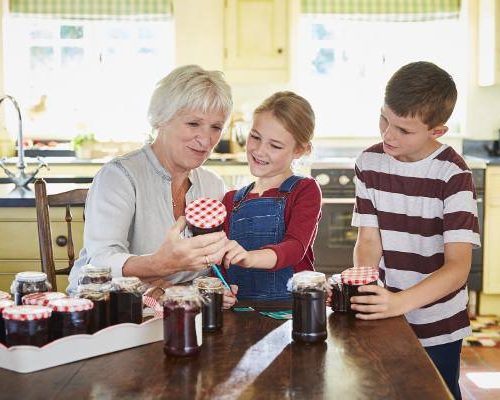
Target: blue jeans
(446, 358)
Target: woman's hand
(236, 254)
(380, 304)
(229, 299)
(189, 254)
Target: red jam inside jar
(205, 215)
(309, 311)
(126, 300)
(99, 294)
(26, 325)
(70, 316)
(4, 303)
(212, 290)
(182, 325)
(29, 282)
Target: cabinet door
(256, 35)
(491, 280)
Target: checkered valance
(93, 9)
(384, 10)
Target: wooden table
(253, 358)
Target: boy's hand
(380, 304)
(229, 299)
(236, 254)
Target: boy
(417, 217)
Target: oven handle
(338, 200)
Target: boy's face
(408, 138)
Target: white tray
(78, 347)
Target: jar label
(199, 329)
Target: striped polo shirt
(418, 207)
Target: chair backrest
(67, 199)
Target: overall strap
(288, 185)
(242, 193)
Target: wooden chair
(67, 199)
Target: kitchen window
(342, 66)
(80, 76)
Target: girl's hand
(380, 304)
(229, 299)
(236, 254)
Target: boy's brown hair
(422, 89)
(294, 113)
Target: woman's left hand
(381, 303)
(229, 299)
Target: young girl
(272, 223)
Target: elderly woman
(134, 211)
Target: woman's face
(189, 138)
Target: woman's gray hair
(189, 87)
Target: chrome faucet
(21, 178)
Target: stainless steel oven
(336, 237)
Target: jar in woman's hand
(205, 216)
(309, 309)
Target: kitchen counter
(359, 360)
(26, 198)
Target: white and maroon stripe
(26, 313)
(70, 304)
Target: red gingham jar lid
(26, 313)
(205, 213)
(4, 295)
(359, 275)
(70, 304)
(41, 299)
(4, 303)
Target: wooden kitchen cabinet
(19, 249)
(256, 40)
(491, 277)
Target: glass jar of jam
(339, 301)
(126, 300)
(41, 299)
(5, 295)
(352, 279)
(70, 316)
(205, 215)
(92, 274)
(4, 303)
(182, 325)
(212, 290)
(100, 316)
(309, 309)
(29, 282)
(26, 325)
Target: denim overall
(255, 223)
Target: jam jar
(4, 303)
(41, 299)
(92, 274)
(182, 324)
(339, 301)
(212, 290)
(26, 325)
(100, 316)
(4, 295)
(352, 279)
(309, 309)
(29, 282)
(70, 316)
(126, 300)
(205, 215)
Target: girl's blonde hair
(294, 113)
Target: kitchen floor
(480, 373)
